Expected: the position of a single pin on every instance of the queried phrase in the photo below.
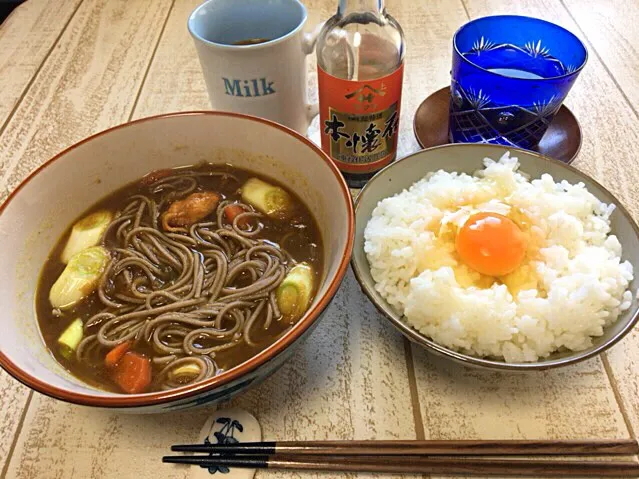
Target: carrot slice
(231, 211)
(133, 373)
(113, 357)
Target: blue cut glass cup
(510, 76)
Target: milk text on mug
(248, 88)
(258, 67)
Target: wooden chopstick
(420, 465)
(431, 448)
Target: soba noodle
(188, 294)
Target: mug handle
(310, 38)
(308, 45)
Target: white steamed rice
(574, 283)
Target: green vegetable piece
(294, 292)
(86, 233)
(79, 278)
(271, 200)
(70, 338)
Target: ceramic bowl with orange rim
(39, 211)
(468, 158)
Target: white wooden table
(70, 68)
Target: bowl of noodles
(497, 257)
(171, 261)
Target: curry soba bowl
(169, 262)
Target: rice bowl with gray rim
(570, 287)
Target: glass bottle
(360, 59)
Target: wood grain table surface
(70, 68)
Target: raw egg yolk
(491, 244)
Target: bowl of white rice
(497, 257)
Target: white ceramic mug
(265, 79)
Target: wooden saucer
(562, 140)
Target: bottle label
(359, 120)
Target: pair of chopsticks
(421, 457)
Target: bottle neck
(360, 6)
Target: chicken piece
(190, 210)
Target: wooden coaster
(562, 140)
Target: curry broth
(299, 235)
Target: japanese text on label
(362, 138)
